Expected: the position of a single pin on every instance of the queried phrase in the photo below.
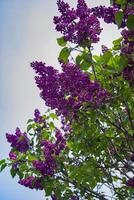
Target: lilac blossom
(68, 90)
(50, 150)
(106, 13)
(53, 196)
(130, 182)
(132, 157)
(32, 182)
(104, 49)
(19, 141)
(77, 26)
(12, 156)
(74, 197)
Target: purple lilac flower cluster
(128, 50)
(128, 42)
(104, 49)
(66, 126)
(78, 25)
(128, 74)
(68, 90)
(130, 182)
(128, 11)
(47, 167)
(19, 141)
(106, 13)
(132, 157)
(53, 197)
(12, 156)
(40, 120)
(37, 116)
(74, 197)
(32, 182)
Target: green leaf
(31, 157)
(96, 58)
(29, 127)
(64, 54)
(3, 167)
(119, 17)
(111, 2)
(130, 21)
(48, 190)
(117, 44)
(20, 174)
(45, 134)
(79, 58)
(13, 172)
(29, 121)
(51, 126)
(85, 65)
(23, 167)
(53, 116)
(123, 62)
(106, 57)
(2, 161)
(121, 2)
(61, 41)
(84, 61)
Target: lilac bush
(83, 146)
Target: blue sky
(27, 34)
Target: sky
(27, 34)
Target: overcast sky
(27, 34)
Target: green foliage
(61, 42)
(101, 141)
(13, 172)
(117, 44)
(130, 21)
(121, 2)
(84, 60)
(119, 17)
(3, 164)
(64, 54)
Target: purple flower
(127, 42)
(74, 197)
(132, 157)
(47, 167)
(77, 26)
(50, 150)
(106, 13)
(67, 91)
(130, 182)
(128, 74)
(53, 196)
(37, 115)
(19, 141)
(60, 143)
(82, 10)
(32, 183)
(62, 6)
(104, 49)
(12, 156)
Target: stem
(129, 114)
(82, 188)
(91, 60)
